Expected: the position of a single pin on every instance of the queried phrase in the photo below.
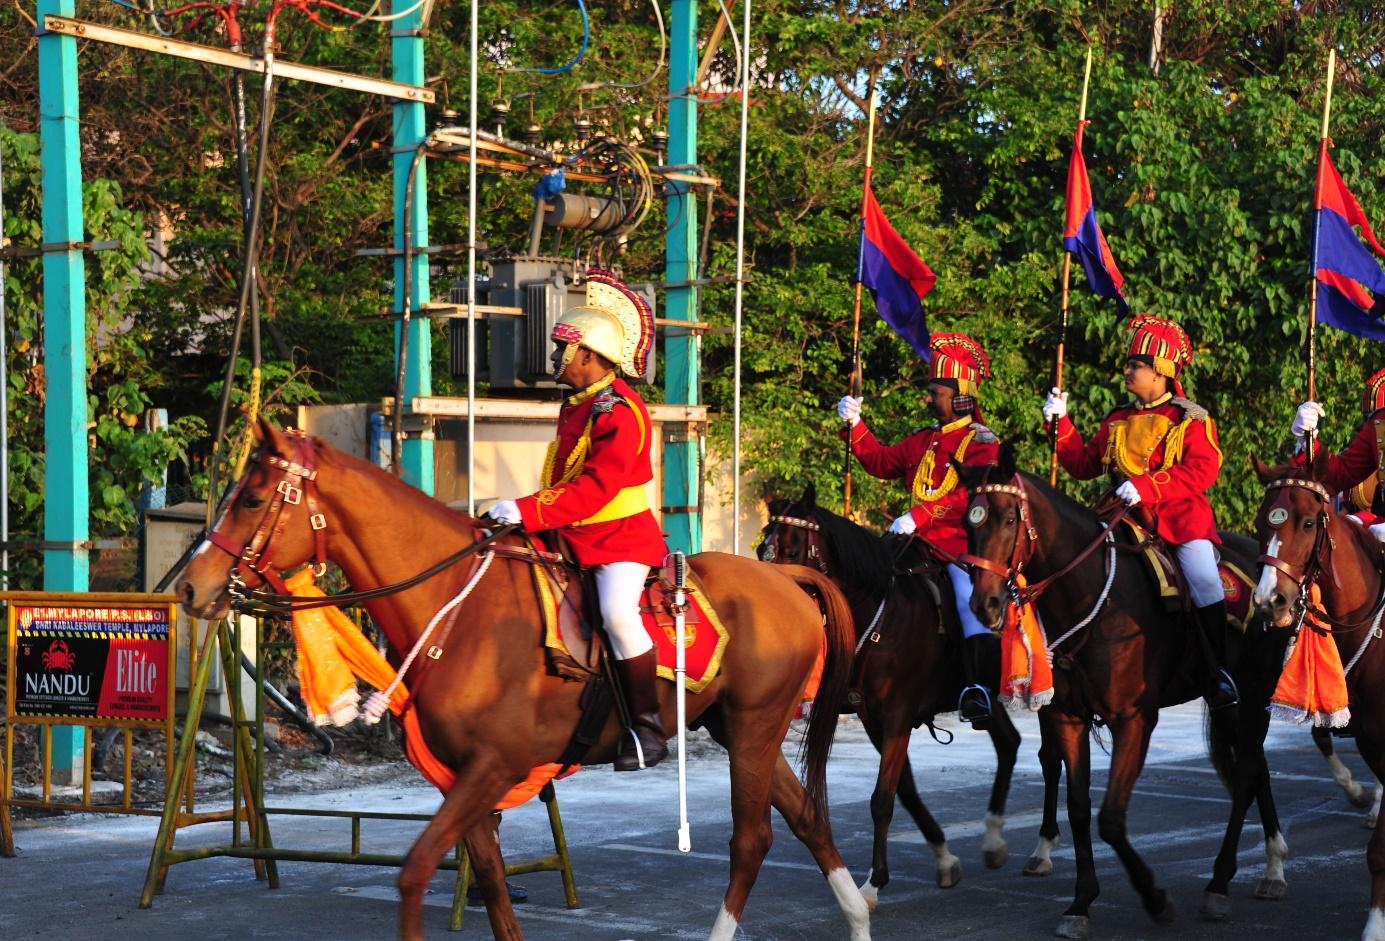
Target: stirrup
(977, 721)
(1222, 684)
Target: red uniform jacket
(594, 478)
(1363, 457)
(926, 459)
(1169, 451)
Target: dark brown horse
(1304, 541)
(1118, 654)
(907, 671)
(488, 707)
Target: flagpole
(1313, 275)
(856, 383)
(1063, 320)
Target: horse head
(1292, 527)
(793, 534)
(999, 535)
(268, 523)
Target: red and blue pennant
(898, 279)
(1082, 235)
(1347, 273)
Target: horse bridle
(1302, 576)
(296, 486)
(814, 538)
(1025, 538)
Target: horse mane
(862, 558)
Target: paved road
(80, 876)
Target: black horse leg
(1005, 738)
(1072, 735)
(1237, 738)
(1130, 743)
(1051, 761)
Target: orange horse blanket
(332, 653)
(1313, 686)
(1026, 675)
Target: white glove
(1056, 405)
(1378, 531)
(904, 525)
(849, 409)
(506, 511)
(1306, 418)
(1129, 493)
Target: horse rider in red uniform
(594, 481)
(930, 460)
(1162, 449)
(1350, 472)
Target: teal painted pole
(410, 127)
(682, 484)
(65, 504)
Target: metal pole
(856, 383)
(740, 288)
(4, 399)
(1313, 275)
(471, 280)
(1067, 271)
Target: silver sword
(680, 600)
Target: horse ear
(810, 495)
(1320, 460)
(266, 434)
(1005, 461)
(1263, 472)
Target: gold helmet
(615, 322)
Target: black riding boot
(1219, 689)
(645, 744)
(974, 706)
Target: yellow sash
(628, 502)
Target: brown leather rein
(1025, 541)
(296, 486)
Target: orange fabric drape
(332, 652)
(1313, 686)
(1026, 676)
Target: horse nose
(988, 608)
(187, 593)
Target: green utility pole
(410, 127)
(682, 485)
(65, 507)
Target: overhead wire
(663, 56)
(581, 53)
(742, 71)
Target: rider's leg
(618, 585)
(1198, 560)
(974, 706)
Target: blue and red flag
(898, 279)
(1348, 274)
(1083, 236)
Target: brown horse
(488, 707)
(907, 671)
(1118, 654)
(1305, 541)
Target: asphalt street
(80, 875)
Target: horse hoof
(1038, 866)
(1166, 912)
(1215, 907)
(947, 878)
(1369, 822)
(995, 858)
(871, 894)
(1271, 890)
(1074, 926)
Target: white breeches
(1198, 560)
(618, 585)
(961, 588)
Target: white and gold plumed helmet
(615, 322)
